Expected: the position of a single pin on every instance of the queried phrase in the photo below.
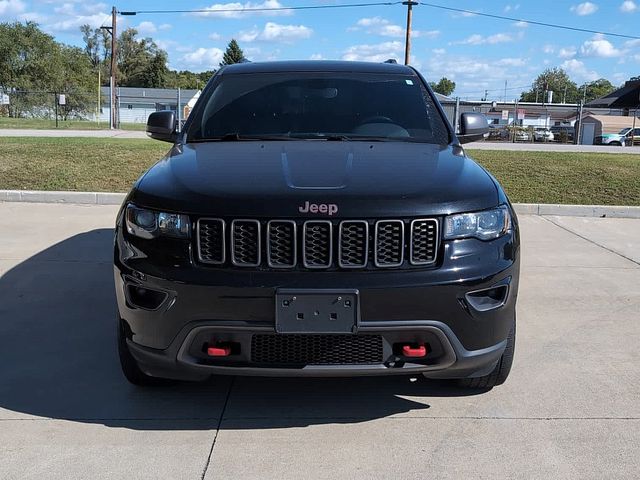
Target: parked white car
(522, 136)
(543, 135)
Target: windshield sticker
(409, 82)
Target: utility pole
(114, 66)
(579, 133)
(504, 99)
(407, 46)
(113, 115)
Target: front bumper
(427, 306)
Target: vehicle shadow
(58, 360)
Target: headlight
(145, 223)
(485, 225)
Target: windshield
(315, 105)
(624, 131)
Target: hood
(286, 178)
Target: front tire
(130, 367)
(500, 373)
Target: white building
(135, 104)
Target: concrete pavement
(549, 147)
(569, 409)
(536, 147)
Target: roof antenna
(391, 60)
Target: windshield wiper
(236, 137)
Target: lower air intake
(269, 349)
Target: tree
(555, 80)
(141, 63)
(76, 79)
(26, 70)
(233, 54)
(597, 88)
(187, 79)
(444, 86)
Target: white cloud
(146, 28)
(521, 24)
(548, 49)
(215, 36)
(439, 51)
(316, 56)
(273, 32)
(203, 59)
(577, 70)
(586, 8)
(74, 23)
(599, 47)
(509, 8)
(382, 26)
(511, 62)
(567, 52)
(477, 39)
(11, 7)
(374, 53)
(165, 26)
(222, 9)
(629, 6)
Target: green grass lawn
(112, 165)
(45, 124)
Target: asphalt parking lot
(570, 408)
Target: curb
(106, 198)
(609, 211)
(81, 198)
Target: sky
(478, 53)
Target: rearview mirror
(162, 126)
(473, 126)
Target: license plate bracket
(317, 311)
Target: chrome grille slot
(245, 243)
(317, 244)
(281, 243)
(211, 241)
(389, 243)
(353, 244)
(424, 241)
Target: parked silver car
(543, 135)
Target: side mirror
(473, 126)
(162, 126)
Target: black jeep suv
(317, 219)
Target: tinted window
(311, 105)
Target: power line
(530, 22)
(495, 90)
(263, 9)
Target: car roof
(317, 66)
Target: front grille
(269, 349)
(389, 243)
(211, 240)
(353, 244)
(317, 244)
(245, 243)
(281, 243)
(312, 244)
(424, 238)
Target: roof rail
(391, 60)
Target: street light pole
(407, 45)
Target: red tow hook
(415, 352)
(220, 350)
